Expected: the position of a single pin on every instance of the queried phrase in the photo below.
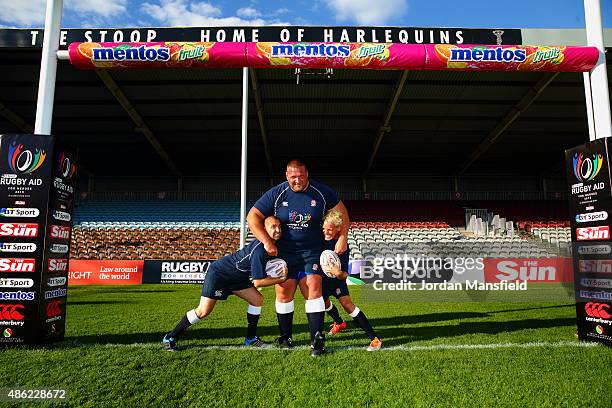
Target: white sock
(192, 316)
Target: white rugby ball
(328, 259)
(275, 268)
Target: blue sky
(428, 13)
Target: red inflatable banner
(91, 55)
(333, 55)
(511, 58)
(336, 55)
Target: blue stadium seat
(152, 213)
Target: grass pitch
(435, 354)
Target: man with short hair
(300, 204)
(231, 275)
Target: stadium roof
(163, 122)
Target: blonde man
(333, 223)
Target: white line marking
(403, 347)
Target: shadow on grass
(393, 330)
(200, 331)
(397, 336)
(572, 305)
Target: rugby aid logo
(25, 161)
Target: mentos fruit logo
(57, 231)
(310, 50)
(593, 233)
(586, 168)
(592, 217)
(498, 54)
(19, 212)
(8, 229)
(547, 54)
(17, 265)
(127, 53)
(24, 161)
(66, 168)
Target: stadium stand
(159, 229)
(435, 239)
(155, 230)
(147, 213)
(152, 243)
(450, 212)
(557, 234)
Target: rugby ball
(275, 268)
(328, 259)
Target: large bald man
(300, 204)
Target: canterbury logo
(11, 312)
(597, 310)
(54, 308)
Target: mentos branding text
(142, 53)
(498, 54)
(50, 294)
